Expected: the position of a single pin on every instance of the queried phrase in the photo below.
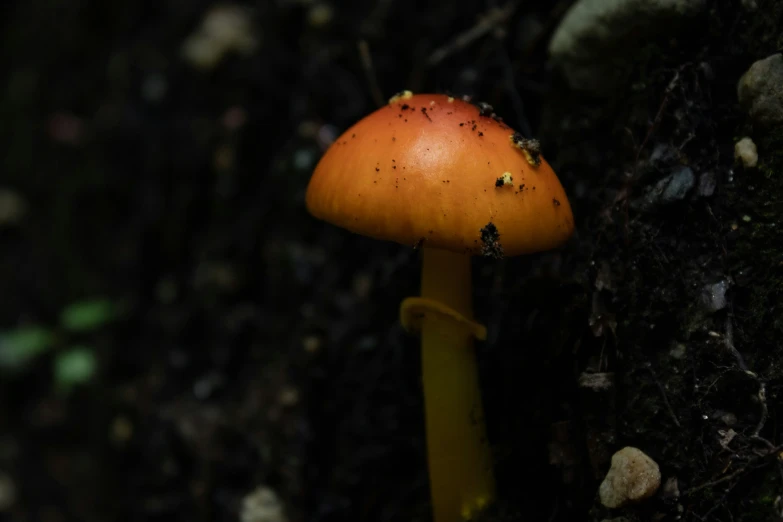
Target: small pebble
(224, 29)
(673, 187)
(632, 477)
(713, 296)
(707, 184)
(596, 381)
(678, 352)
(304, 159)
(671, 488)
(746, 152)
(262, 505)
(728, 418)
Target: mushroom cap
(432, 170)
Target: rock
(632, 477)
(676, 186)
(596, 41)
(596, 381)
(663, 154)
(707, 184)
(759, 91)
(673, 187)
(679, 352)
(671, 488)
(726, 436)
(746, 152)
(727, 418)
(224, 29)
(713, 296)
(262, 505)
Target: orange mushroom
(451, 177)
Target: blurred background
(180, 340)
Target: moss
(761, 504)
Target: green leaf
(20, 346)
(75, 366)
(87, 316)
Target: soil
(261, 347)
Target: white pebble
(262, 505)
(745, 151)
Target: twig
(485, 24)
(729, 342)
(762, 393)
(369, 72)
(664, 102)
(764, 410)
(773, 451)
(663, 394)
(717, 504)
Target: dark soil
(260, 347)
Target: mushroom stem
(460, 466)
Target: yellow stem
(460, 466)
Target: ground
(243, 344)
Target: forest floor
(202, 344)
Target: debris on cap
(632, 478)
(746, 152)
(403, 95)
(505, 179)
(490, 237)
(530, 148)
